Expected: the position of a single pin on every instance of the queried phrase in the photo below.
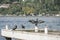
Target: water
(52, 22)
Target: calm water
(52, 22)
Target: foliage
(30, 6)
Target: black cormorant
(23, 27)
(36, 21)
(15, 27)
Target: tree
(28, 10)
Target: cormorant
(15, 27)
(36, 22)
(23, 27)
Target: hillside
(30, 7)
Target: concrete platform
(24, 35)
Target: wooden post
(6, 27)
(36, 29)
(46, 30)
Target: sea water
(53, 23)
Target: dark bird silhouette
(15, 27)
(36, 22)
(23, 27)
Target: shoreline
(29, 16)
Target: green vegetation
(28, 7)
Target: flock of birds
(36, 22)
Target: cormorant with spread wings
(36, 22)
